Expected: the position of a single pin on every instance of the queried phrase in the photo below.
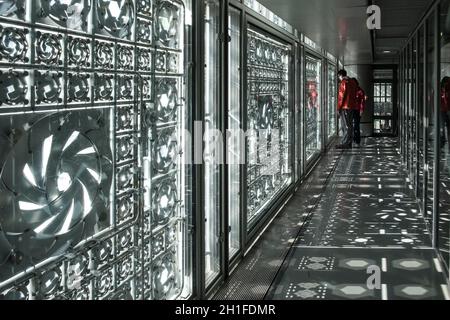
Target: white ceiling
(340, 26)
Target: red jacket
(360, 100)
(445, 97)
(347, 94)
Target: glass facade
(332, 100)
(424, 99)
(269, 122)
(101, 194)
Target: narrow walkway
(367, 217)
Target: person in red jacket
(357, 113)
(346, 105)
(445, 107)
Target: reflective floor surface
(356, 213)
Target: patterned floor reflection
(368, 216)
(341, 273)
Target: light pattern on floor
(368, 216)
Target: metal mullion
(335, 81)
(425, 122)
(244, 118)
(418, 104)
(402, 104)
(314, 56)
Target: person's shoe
(339, 147)
(347, 147)
(357, 145)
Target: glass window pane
(212, 157)
(332, 100)
(269, 122)
(235, 154)
(444, 192)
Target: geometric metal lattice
(313, 107)
(332, 89)
(269, 169)
(164, 150)
(91, 91)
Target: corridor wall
(424, 126)
(112, 185)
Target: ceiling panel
(339, 26)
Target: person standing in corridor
(346, 104)
(357, 113)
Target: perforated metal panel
(92, 109)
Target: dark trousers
(357, 126)
(346, 119)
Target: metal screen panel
(92, 181)
(269, 123)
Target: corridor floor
(368, 217)
(361, 215)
